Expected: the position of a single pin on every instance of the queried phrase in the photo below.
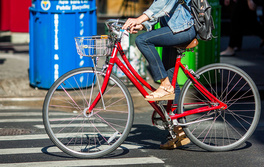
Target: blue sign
(62, 5)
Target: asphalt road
(24, 143)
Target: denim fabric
(177, 89)
(177, 17)
(147, 41)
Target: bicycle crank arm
(193, 122)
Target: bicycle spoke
(97, 132)
(229, 127)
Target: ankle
(166, 83)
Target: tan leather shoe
(180, 140)
(162, 94)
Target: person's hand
(135, 28)
(131, 22)
(251, 5)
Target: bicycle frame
(88, 112)
(136, 79)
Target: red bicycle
(88, 112)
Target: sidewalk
(250, 59)
(16, 91)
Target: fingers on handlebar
(125, 26)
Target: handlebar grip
(115, 22)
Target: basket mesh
(93, 46)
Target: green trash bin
(209, 51)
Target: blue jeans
(147, 42)
(177, 89)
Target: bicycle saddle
(190, 45)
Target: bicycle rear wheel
(221, 130)
(87, 135)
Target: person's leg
(169, 56)
(147, 42)
(236, 33)
(262, 27)
(161, 37)
(177, 89)
(241, 17)
(236, 30)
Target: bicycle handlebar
(115, 26)
(117, 23)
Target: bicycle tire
(227, 129)
(87, 135)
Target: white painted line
(24, 137)
(92, 162)
(8, 114)
(20, 120)
(38, 150)
(22, 99)
(45, 136)
(4, 108)
(41, 120)
(73, 125)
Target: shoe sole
(182, 142)
(166, 97)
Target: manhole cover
(8, 132)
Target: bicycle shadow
(59, 154)
(143, 137)
(150, 137)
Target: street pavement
(24, 143)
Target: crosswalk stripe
(36, 150)
(24, 137)
(73, 125)
(8, 114)
(54, 149)
(41, 120)
(21, 120)
(45, 136)
(91, 162)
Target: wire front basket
(93, 46)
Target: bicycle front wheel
(221, 130)
(87, 135)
